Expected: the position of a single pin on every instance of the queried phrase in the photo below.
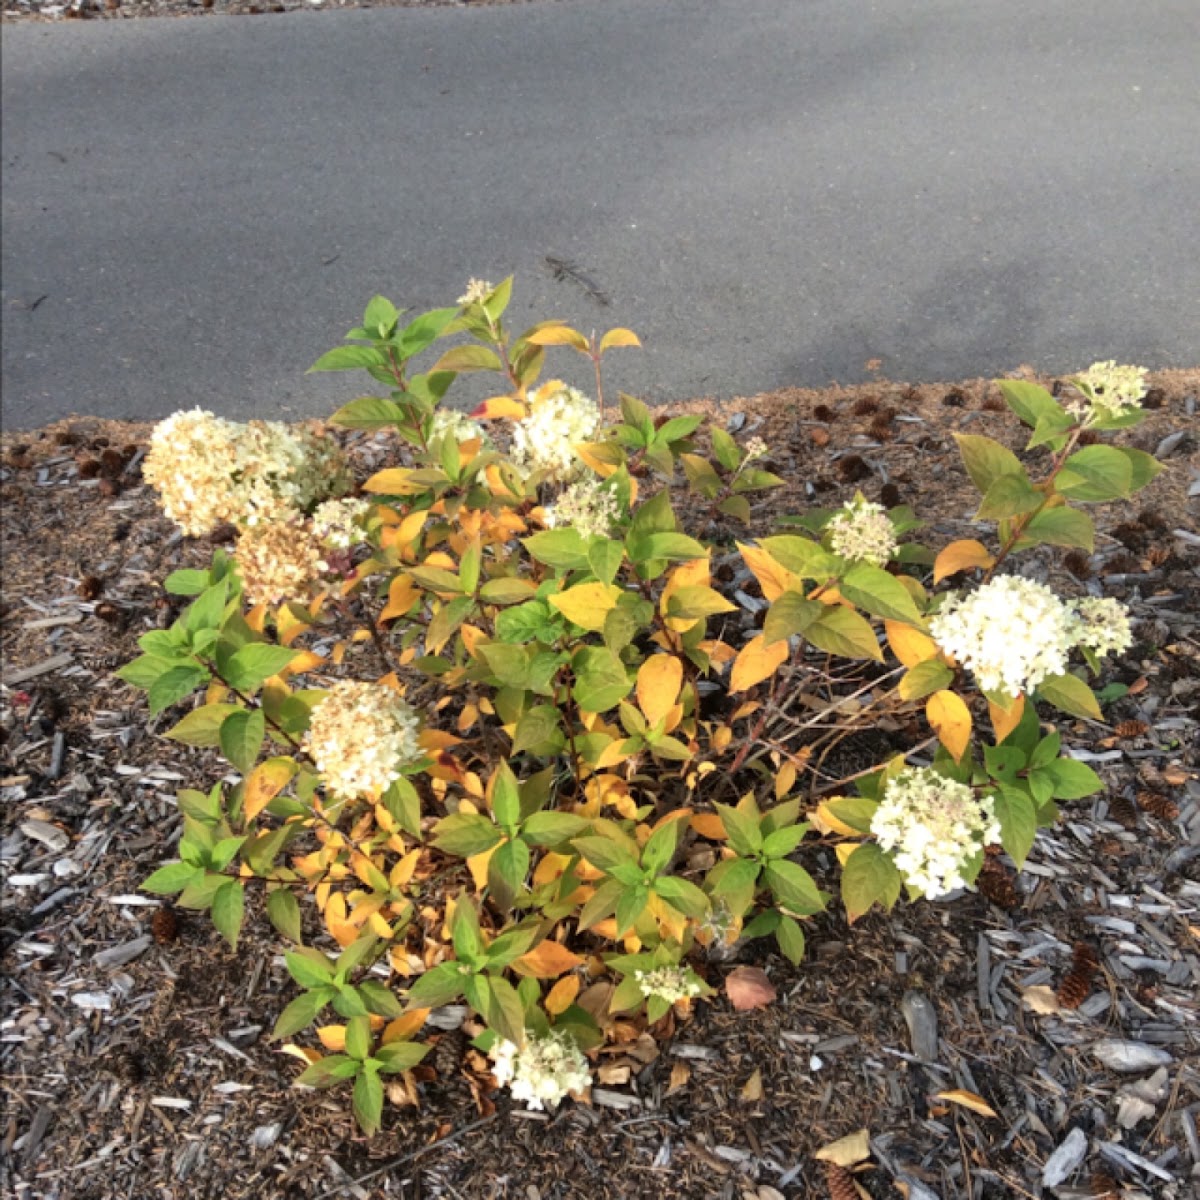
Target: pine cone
(164, 926)
(997, 885)
(1131, 729)
(1103, 1186)
(1158, 805)
(1077, 983)
(1123, 812)
(840, 1183)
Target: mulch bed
(124, 10)
(134, 1048)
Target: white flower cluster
(279, 562)
(1109, 390)
(360, 735)
(341, 523)
(543, 1071)
(933, 826)
(1103, 625)
(451, 422)
(668, 983)
(1013, 632)
(861, 531)
(755, 448)
(588, 506)
(558, 418)
(477, 291)
(209, 470)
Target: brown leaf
(847, 1151)
(749, 987)
(968, 1100)
(680, 1074)
(753, 1087)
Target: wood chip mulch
(133, 1046)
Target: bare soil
(134, 1047)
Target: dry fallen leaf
(847, 1151)
(753, 1088)
(749, 987)
(680, 1074)
(968, 1100)
(1040, 999)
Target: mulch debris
(134, 1052)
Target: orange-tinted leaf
(773, 577)
(755, 662)
(709, 825)
(501, 406)
(547, 960)
(265, 782)
(961, 556)
(1004, 722)
(402, 1028)
(749, 987)
(951, 721)
(562, 995)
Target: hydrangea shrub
(494, 738)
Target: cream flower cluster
(862, 532)
(933, 826)
(587, 506)
(1102, 625)
(449, 421)
(668, 983)
(209, 470)
(360, 736)
(558, 418)
(1012, 633)
(477, 291)
(279, 562)
(341, 523)
(1109, 390)
(542, 1072)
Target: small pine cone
(881, 431)
(865, 406)
(840, 1183)
(1076, 985)
(1151, 518)
(992, 404)
(1088, 438)
(109, 487)
(1121, 810)
(1078, 564)
(112, 461)
(1156, 397)
(164, 926)
(90, 587)
(954, 398)
(1131, 729)
(852, 468)
(889, 495)
(1158, 805)
(1103, 1186)
(996, 884)
(1155, 557)
(89, 468)
(824, 413)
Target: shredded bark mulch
(124, 10)
(133, 1044)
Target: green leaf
(1018, 822)
(506, 797)
(253, 664)
(1071, 780)
(403, 803)
(1009, 496)
(186, 583)
(604, 854)
(504, 1011)
(742, 829)
(659, 847)
(538, 731)
(1051, 429)
(326, 1072)
(349, 358)
(987, 460)
(1096, 473)
(465, 834)
(469, 358)
(793, 887)
(368, 1101)
(400, 1056)
(605, 557)
(601, 681)
(881, 594)
(173, 685)
(228, 909)
(1143, 468)
(145, 670)
(790, 614)
(790, 939)
(358, 1037)
(172, 878)
(781, 842)
(801, 556)
(840, 630)
(1030, 401)
(506, 591)
(424, 330)
(308, 967)
(563, 549)
(1061, 527)
(242, 736)
(725, 449)
(437, 987)
(202, 726)
(682, 895)
(379, 999)
(301, 1012)
(368, 412)
(675, 547)
(869, 877)
(1070, 694)
(552, 828)
(284, 912)
(507, 871)
(924, 679)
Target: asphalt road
(771, 192)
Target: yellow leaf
(333, 1037)
(752, 1090)
(306, 660)
(501, 406)
(785, 780)
(968, 1100)
(560, 335)
(477, 864)
(773, 577)
(828, 822)
(587, 604)
(909, 645)
(394, 481)
(1004, 721)
(547, 960)
(951, 721)
(409, 529)
(562, 995)
(756, 661)
(605, 458)
(256, 618)
(402, 1028)
(288, 625)
(619, 337)
(843, 850)
(964, 555)
(709, 825)
(264, 783)
(848, 1151)
(658, 684)
(694, 573)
